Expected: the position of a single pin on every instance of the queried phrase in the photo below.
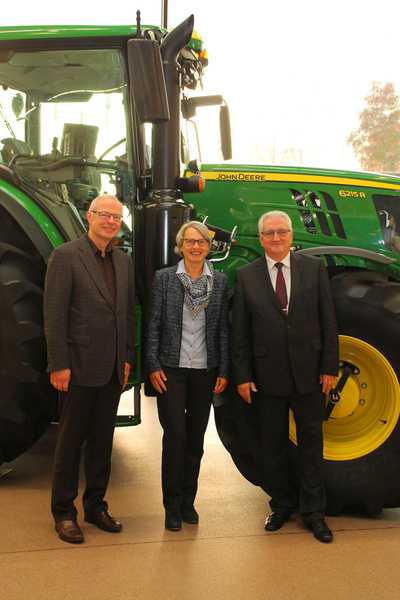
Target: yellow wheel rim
(369, 405)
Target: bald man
(89, 327)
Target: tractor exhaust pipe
(166, 163)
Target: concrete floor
(227, 556)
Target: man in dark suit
(285, 350)
(89, 326)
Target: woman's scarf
(197, 291)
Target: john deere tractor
(89, 110)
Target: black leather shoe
(190, 515)
(173, 522)
(103, 520)
(320, 530)
(275, 520)
(69, 531)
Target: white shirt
(273, 272)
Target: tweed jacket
(273, 349)
(164, 330)
(85, 331)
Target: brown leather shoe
(103, 520)
(69, 531)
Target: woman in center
(187, 361)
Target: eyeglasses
(191, 242)
(106, 215)
(270, 233)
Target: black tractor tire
(368, 309)
(237, 428)
(27, 402)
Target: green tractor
(89, 110)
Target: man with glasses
(285, 352)
(89, 326)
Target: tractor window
(388, 211)
(103, 113)
(94, 129)
(63, 113)
(12, 130)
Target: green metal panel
(68, 31)
(40, 217)
(338, 203)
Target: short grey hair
(271, 214)
(102, 197)
(199, 227)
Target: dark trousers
(87, 420)
(183, 411)
(273, 413)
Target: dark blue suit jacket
(164, 331)
(273, 349)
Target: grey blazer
(270, 348)
(85, 332)
(164, 331)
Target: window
(388, 211)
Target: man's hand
(328, 382)
(220, 385)
(158, 379)
(127, 370)
(60, 379)
(245, 389)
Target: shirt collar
(271, 262)
(181, 268)
(96, 250)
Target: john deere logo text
(241, 177)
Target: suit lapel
(295, 280)
(89, 262)
(210, 308)
(177, 291)
(120, 277)
(265, 285)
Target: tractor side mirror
(146, 81)
(189, 107)
(225, 132)
(17, 104)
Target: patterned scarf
(197, 291)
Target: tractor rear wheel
(27, 402)
(362, 435)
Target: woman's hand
(158, 379)
(220, 385)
